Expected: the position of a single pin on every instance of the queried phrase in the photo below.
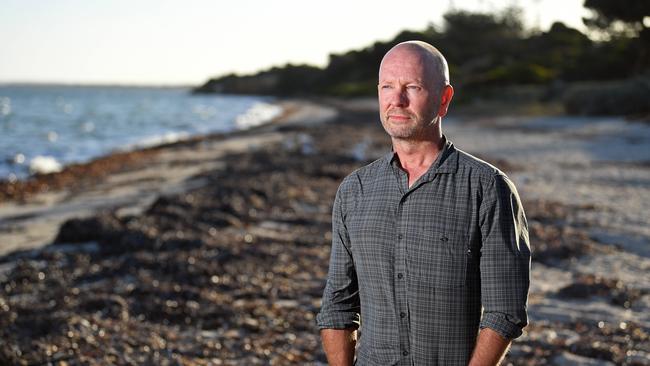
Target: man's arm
(339, 346)
(505, 268)
(339, 316)
(490, 348)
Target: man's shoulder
(353, 182)
(372, 169)
(478, 167)
(485, 173)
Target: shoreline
(18, 188)
(225, 257)
(45, 201)
(51, 127)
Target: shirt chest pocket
(439, 258)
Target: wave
(166, 138)
(44, 164)
(258, 114)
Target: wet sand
(215, 250)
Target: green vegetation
(486, 53)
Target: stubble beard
(413, 130)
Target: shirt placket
(400, 273)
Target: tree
(620, 19)
(618, 16)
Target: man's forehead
(402, 75)
(406, 64)
(407, 54)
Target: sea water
(45, 127)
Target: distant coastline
(487, 54)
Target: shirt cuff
(338, 320)
(500, 323)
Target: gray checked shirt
(420, 269)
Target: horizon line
(97, 84)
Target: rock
(88, 229)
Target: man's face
(408, 99)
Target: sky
(172, 42)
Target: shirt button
(443, 238)
(399, 236)
(402, 314)
(399, 275)
(405, 353)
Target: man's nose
(400, 98)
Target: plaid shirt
(417, 266)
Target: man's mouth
(399, 117)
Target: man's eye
(386, 86)
(414, 87)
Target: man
(430, 252)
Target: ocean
(45, 127)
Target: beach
(214, 249)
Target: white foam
(18, 159)
(5, 106)
(166, 138)
(258, 114)
(44, 165)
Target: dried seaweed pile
(232, 271)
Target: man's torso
(416, 253)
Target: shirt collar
(446, 162)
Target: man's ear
(445, 99)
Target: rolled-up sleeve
(340, 307)
(505, 259)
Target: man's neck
(416, 157)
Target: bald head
(414, 91)
(431, 61)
